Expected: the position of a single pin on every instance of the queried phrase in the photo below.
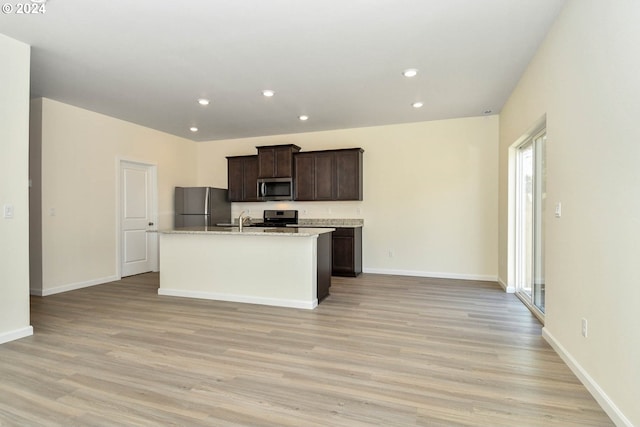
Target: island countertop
(251, 231)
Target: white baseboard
(73, 286)
(239, 298)
(16, 334)
(596, 391)
(418, 273)
(508, 289)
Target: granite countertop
(329, 222)
(252, 231)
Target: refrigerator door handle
(206, 201)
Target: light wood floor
(381, 350)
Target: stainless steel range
(277, 218)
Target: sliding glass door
(530, 207)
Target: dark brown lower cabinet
(347, 252)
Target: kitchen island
(287, 267)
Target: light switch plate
(8, 211)
(558, 210)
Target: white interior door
(136, 217)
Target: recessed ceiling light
(193, 129)
(417, 104)
(268, 93)
(410, 72)
(203, 101)
(303, 117)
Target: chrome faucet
(241, 220)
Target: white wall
(80, 154)
(14, 189)
(430, 193)
(585, 79)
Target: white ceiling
(338, 61)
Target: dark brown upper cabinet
(276, 161)
(328, 175)
(242, 174)
(348, 184)
(304, 179)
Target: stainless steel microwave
(275, 189)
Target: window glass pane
(539, 215)
(530, 222)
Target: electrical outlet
(584, 328)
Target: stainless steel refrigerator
(199, 206)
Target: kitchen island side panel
(271, 270)
(324, 264)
